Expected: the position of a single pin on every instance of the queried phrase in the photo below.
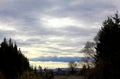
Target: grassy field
(68, 77)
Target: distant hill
(65, 69)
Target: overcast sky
(51, 33)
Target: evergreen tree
(108, 48)
(12, 61)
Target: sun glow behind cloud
(5, 27)
(57, 22)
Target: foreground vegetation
(47, 74)
(69, 77)
(106, 56)
(14, 65)
(12, 62)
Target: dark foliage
(48, 74)
(72, 67)
(12, 61)
(89, 51)
(108, 50)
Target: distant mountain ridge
(65, 69)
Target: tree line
(14, 65)
(12, 61)
(104, 52)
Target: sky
(51, 33)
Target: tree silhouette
(89, 51)
(12, 61)
(72, 67)
(108, 48)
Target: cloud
(55, 22)
(53, 27)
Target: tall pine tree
(108, 48)
(12, 61)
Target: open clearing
(68, 77)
